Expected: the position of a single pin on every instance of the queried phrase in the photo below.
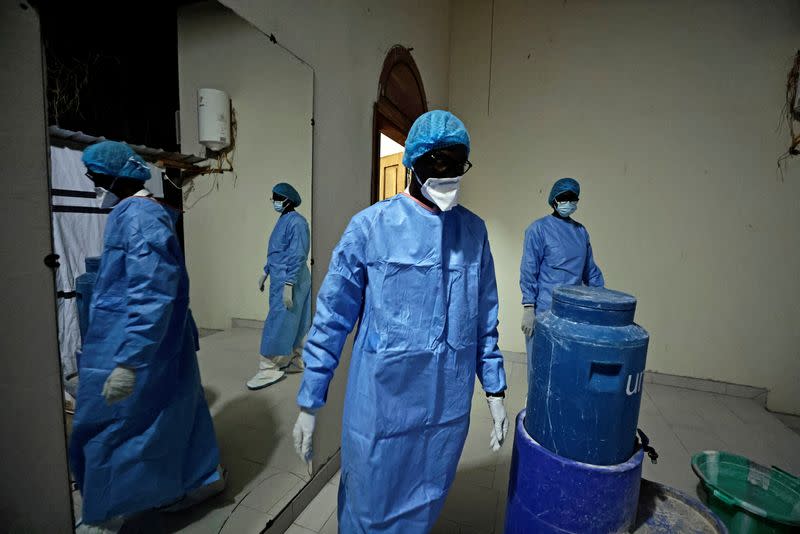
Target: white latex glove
(261, 281)
(303, 432)
(287, 296)
(528, 320)
(500, 422)
(119, 384)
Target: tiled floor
(254, 430)
(678, 421)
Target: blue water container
(84, 285)
(586, 375)
(548, 493)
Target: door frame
(35, 480)
(388, 118)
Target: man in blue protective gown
(556, 252)
(142, 435)
(289, 316)
(415, 271)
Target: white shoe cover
(268, 373)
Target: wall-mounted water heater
(213, 119)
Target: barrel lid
(598, 298)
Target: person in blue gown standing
(142, 435)
(416, 273)
(289, 316)
(556, 252)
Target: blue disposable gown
(287, 261)
(158, 444)
(556, 252)
(422, 285)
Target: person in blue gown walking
(416, 272)
(289, 316)
(142, 435)
(556, 252)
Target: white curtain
(76, 235)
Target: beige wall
(666, 112)
(346, 42)
(272, 93)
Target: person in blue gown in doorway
(142, 436)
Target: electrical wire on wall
(222, 162)
(790, 114)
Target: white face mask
(278, 205)
(441, 191)
(567, 208)
(106, 197)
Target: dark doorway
(112, 71)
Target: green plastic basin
(748, 497)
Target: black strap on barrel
(644, 442)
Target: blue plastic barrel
(548, 493)
(84, 285)
(586, 375)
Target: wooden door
(401, 99)
(392, 176)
